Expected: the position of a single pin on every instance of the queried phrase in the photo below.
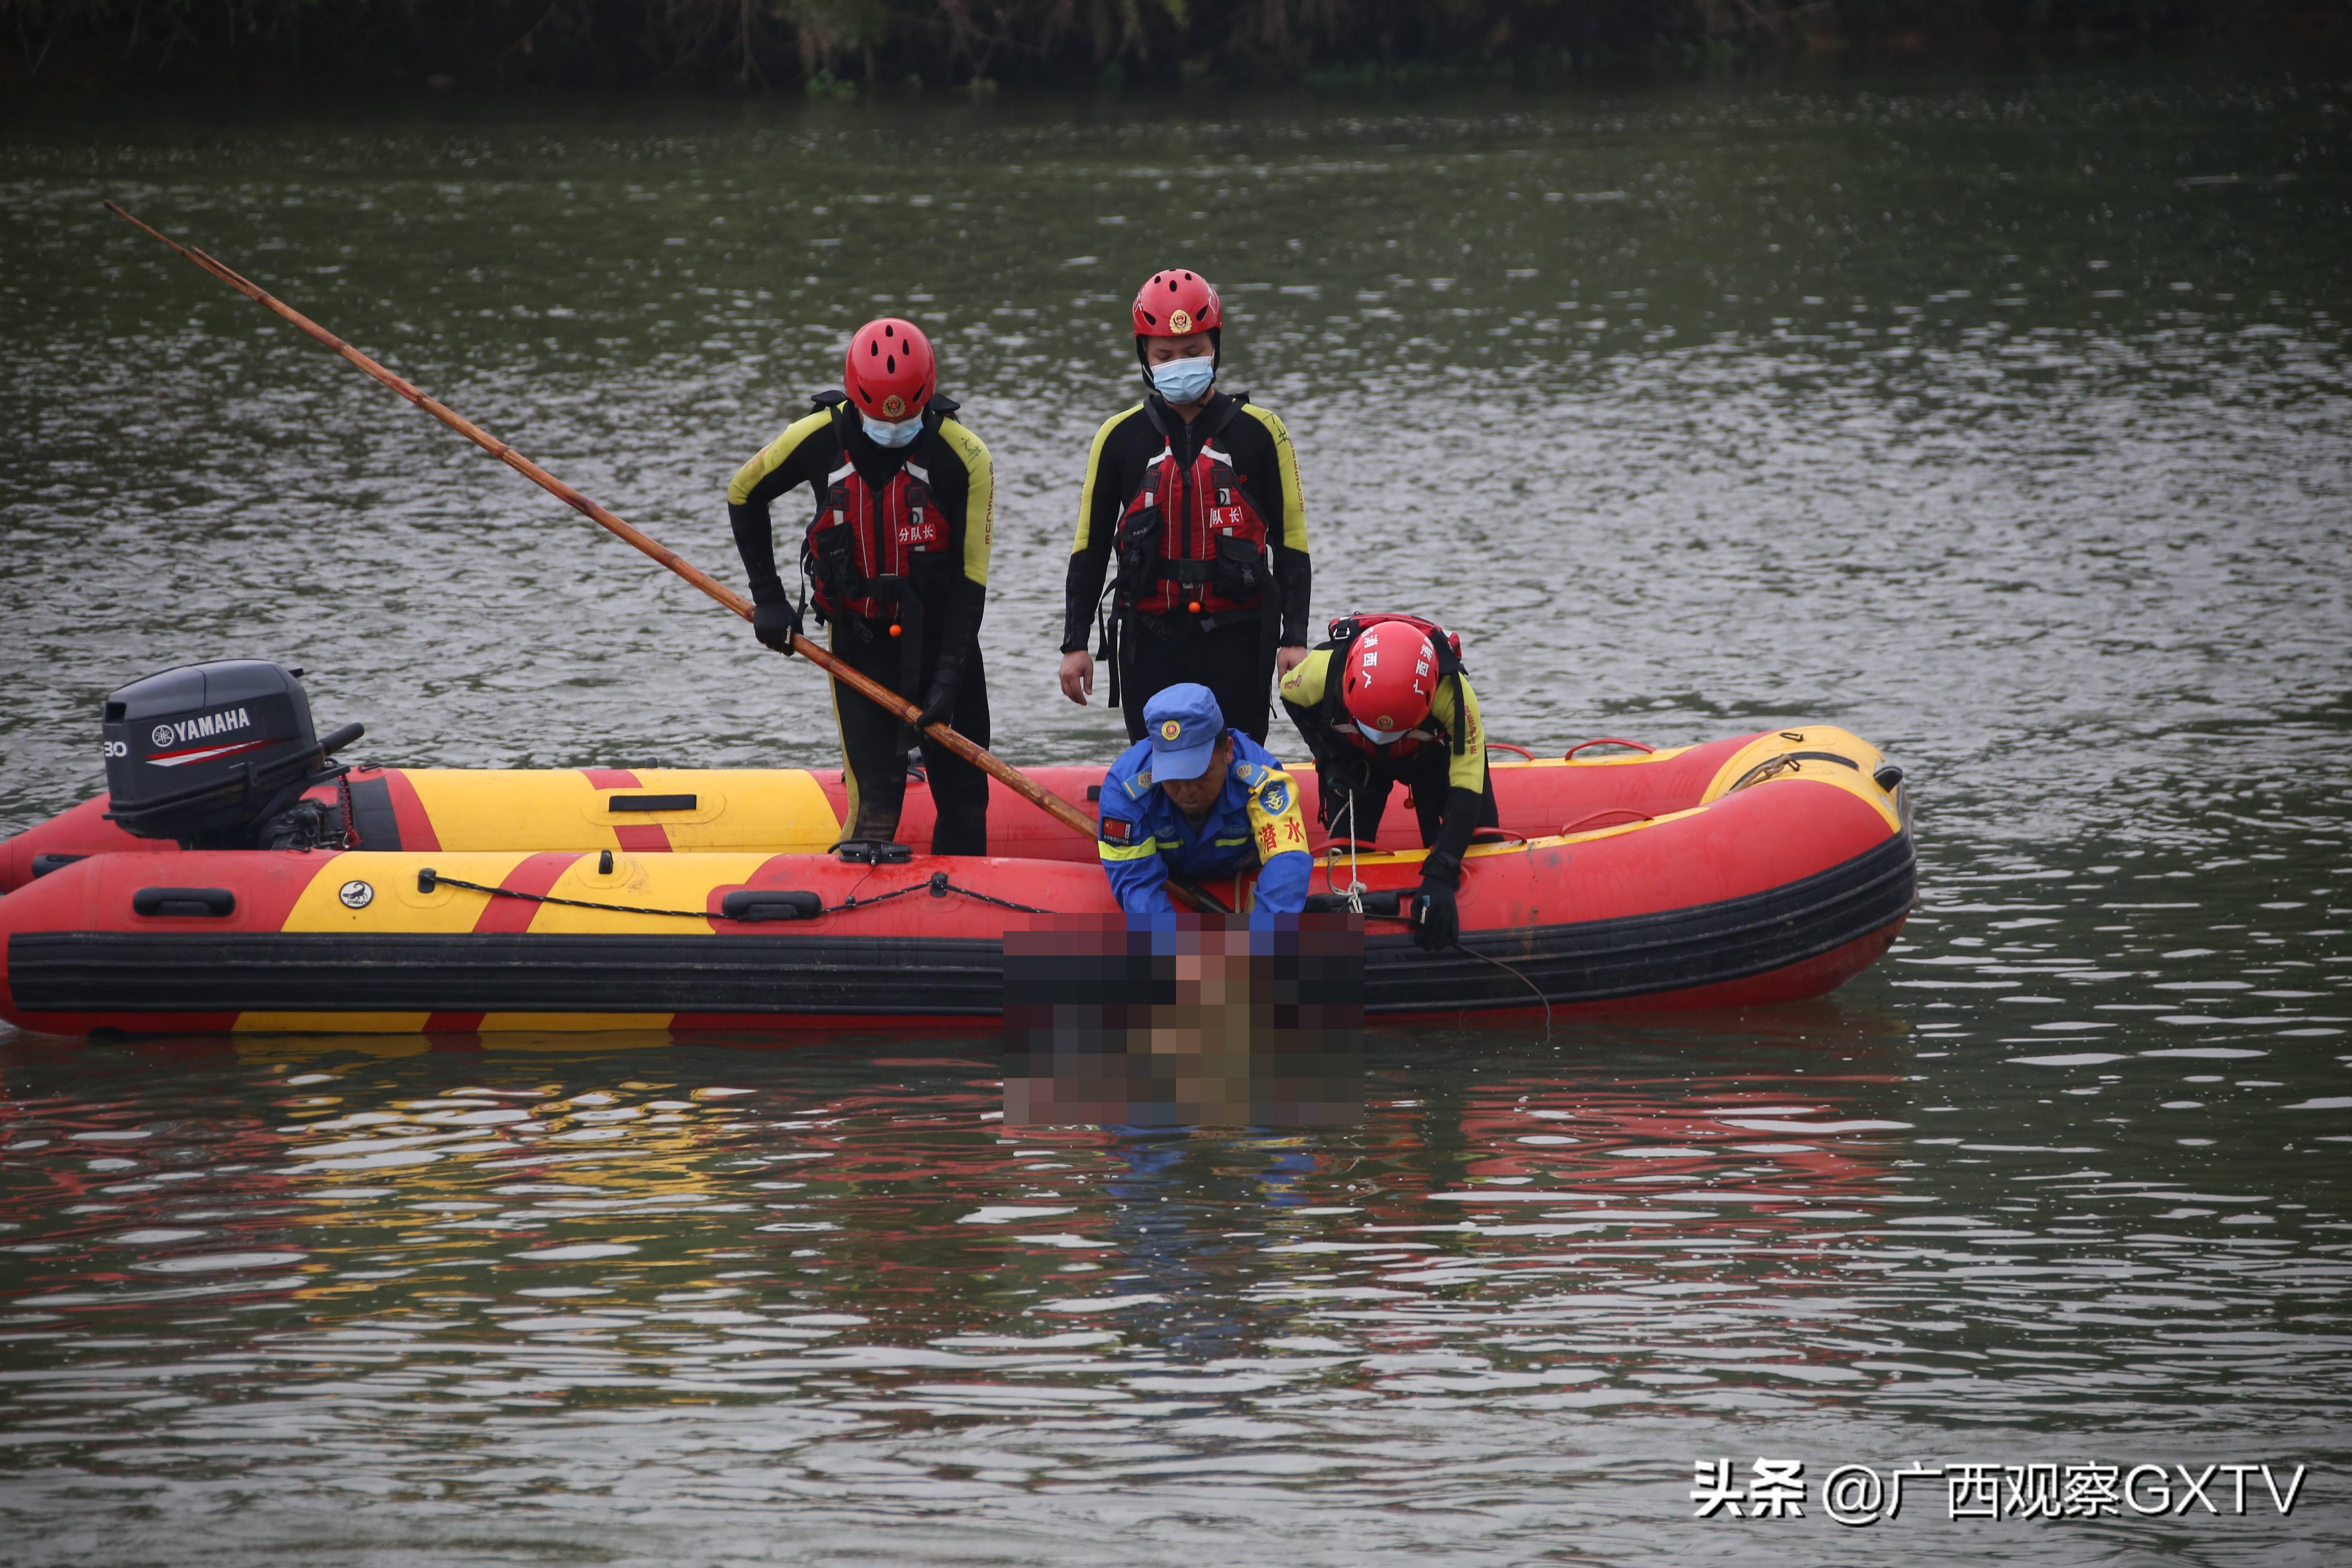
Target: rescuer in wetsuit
(1192, 496)
(897, 560)
(1385, 702)
(1201, 800)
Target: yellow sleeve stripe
(1125, 851)
(1467, 771)
(1293, 500)
(980, 500)
(774, 454)
(1303, 686)
(1094, 471)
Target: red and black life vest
(867, 551)
(1190, 539)
(1341, 724)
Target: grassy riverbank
(850, 47)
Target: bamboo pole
(1028, 789)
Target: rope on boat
(939, 886)
(1354, 894)
(429, 880)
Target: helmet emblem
(1170, 729)
(894, 406)
(1180, 322)
(1386, 724)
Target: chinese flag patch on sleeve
(1117, 830)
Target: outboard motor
(219, 756)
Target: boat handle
(650, 803)
(1608, 741)
(1507, 746)
(750, 904)
(1626, 811)
(210, 903)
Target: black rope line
(938, 887)
(1489, 958)
(1522, 980)
(429, 880)
(938, 877)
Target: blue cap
(1183, 724)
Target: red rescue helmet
(1176, 304)
(1392, 678)
(891, 372)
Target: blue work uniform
(1143, 836)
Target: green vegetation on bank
(849, 47)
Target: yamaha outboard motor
(219, 756)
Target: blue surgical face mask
(1184, 380)
(886, 433)
(1381, 737)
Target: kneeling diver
(1385, 702)
(1200, 800)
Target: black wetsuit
(874, 744)
(1235, 660)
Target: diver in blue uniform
(1200, 800)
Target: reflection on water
(2040, 1188)
(2004, 424)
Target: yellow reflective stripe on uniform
(774, 454)
(1125, 851)
(1468, 769)
(1303, 687)
(1294, 501)
(1094, 472)
(979, 499)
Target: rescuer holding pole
(897, 557)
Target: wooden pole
(890, 701)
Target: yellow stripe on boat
(782, 811)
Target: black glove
(775, 623)
(947, 684)
(940, 704)
(1436, 919)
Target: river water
(2002, 421)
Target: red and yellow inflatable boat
(1759, 869)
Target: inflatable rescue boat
(1756, 868)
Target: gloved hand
(942, 701)
(1436, 918)
(947, 684)
(775, 623)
